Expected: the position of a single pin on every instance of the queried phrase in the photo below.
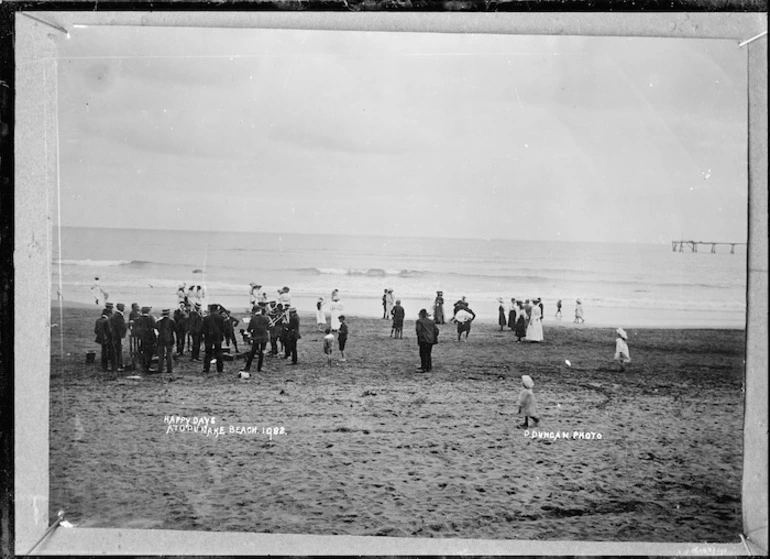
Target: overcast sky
(451, 135)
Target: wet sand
(370, 447)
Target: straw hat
(527, 381)
(622, 333)
(500, 300)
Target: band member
(166, 330)
(181, 319)
(195, 329)
(103, 332)
(230, 324)
(292, 334)
(119, 329)
(213, 335)
(259, 326)
(144, 330)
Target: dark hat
(165, 312)
(109, 305)
(121, 306)
(292, 310)
(106, 311)
(145, 310)
(134, 305)
(213, 306)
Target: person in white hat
(527, 404)
(181, 294)
(621, 349)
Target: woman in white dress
(389, 302)
(335, 308)
(320, 315)
(535, 328)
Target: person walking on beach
(427, 336)
(539, 302)
(521, 322)
(259, 327)
(99, 294)
(462, 303)
(181, 319)
(119, 329)
(213, 335)
(622, 355)
(103, 332)
(328, 345)
(342, 337)
(535, 326)
(463, 317)
(320, 315)
(502, 319)
(195, 328)
(438, 308)
(579, 312)
(558, 309)
(527, 404)
(230, 324)
(144, 326)
(389, 300)
(292, 334)
(166, 332)
(385, 303)
(335, 308)
(398, 313)
(512, 314)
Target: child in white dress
(621, 349)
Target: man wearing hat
(133, 340)
(213, 335)
(104, 339)
(292, 335)
(258, 328)
(144, 330)
(110, 307)
(166, 330)
(195, 329)
(180, 319)
(119, 329)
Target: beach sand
(371, 447)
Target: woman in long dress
(335, 308)
(502, 319)
(389, 301)
(521, 322)
(512, 314)
(438, 308)
(535, 328)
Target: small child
(621, 349)
(328, 345)
(527, 404)
(558, 309)
(320, 315)
(342, 336)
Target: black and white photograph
(471, 286)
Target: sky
(409, 134)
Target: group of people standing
(525, 318)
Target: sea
(628, 285)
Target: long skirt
(535, 330)
(521, 327)
(438, 314)
(512, 320)
(501, 320)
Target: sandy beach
(370, 447)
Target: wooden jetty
(679, 245)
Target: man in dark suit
(119, 329)
(292, 335)
(166, 330)
(259, 327)
(144, 330)
(103, 333)
(181, 320)
(213, 335)
(195, 328)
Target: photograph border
(35, 188)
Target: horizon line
(488, 239)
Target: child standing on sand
(527, 404)
(329, 345)
(342, 336)
(621, 349)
